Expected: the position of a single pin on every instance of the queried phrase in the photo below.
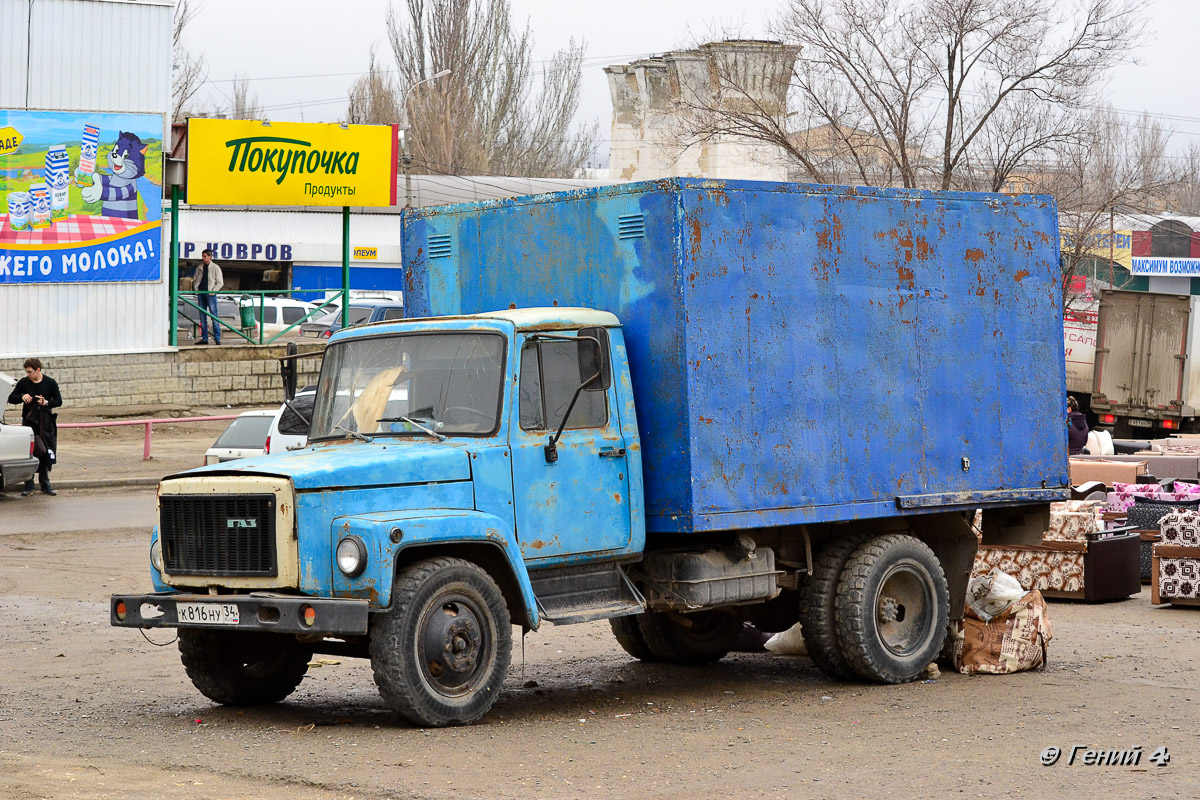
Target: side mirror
(288, 371)
(594, 360)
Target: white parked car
(280, 312)
(289, 430)
(246, 436)
(17, 463)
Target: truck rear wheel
(628, 633)
(892, 609)
(440, 654)
(697, 638)
(818, 600)
(243, 668)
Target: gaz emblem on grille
(241, 523)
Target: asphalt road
(77, 510)
(91, 711)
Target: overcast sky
(302, 55)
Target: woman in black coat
(38, 393)
(1077, 428)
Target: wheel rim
(903, 609)
(453, 645)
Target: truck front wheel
(892, 608)
(440, 654)
(243, 668)
(697, 638)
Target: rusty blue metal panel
(798, 353)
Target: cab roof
(546, 318)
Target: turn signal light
(120, 609)
(308, 615)
(1108, 418)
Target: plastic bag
(788, 643)
(990, 595)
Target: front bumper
(258, 611)
(14, 473)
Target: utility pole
(406, 158)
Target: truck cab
(484, 448)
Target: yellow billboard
(250, 162)
(1102, 245)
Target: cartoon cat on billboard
(118, 191)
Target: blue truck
(680, 406)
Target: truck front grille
(218, 534)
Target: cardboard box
(1105, 471)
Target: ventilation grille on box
(439, 246)
(631, 226)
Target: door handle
(613, 452)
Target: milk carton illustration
(18, 211)
(39, 200)
(58, 178)
(89, 143)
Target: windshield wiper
(415, 424)
(353, 434)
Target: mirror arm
(298, 412)
(552, 447)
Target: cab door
(575, 501)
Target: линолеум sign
(248, 162)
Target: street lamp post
(406, 157)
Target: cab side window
(549, 378)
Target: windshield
(447, 382)
(358, 315)
(245, 432)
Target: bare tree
(243, 103)
(1114, 167)
(494, 114)
(1184, 196)
(373, 97)
(187, 68)
(991, 54)
(942, 93)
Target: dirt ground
(90, 711)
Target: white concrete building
(653, 98)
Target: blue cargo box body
(799, 353)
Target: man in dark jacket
(38, 393)
(1077, 428)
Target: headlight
(351, 556)
(156, 555)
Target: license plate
(1140, 423)
(207, 613)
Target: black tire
(243, 668)
(818, 601)
(892, 609)
(628, 633)
(441, 653)
(701, 637)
